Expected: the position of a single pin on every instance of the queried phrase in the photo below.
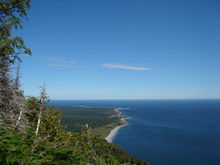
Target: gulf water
(167, 132)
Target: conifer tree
(11, 14)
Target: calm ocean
(168, 132)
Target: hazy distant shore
(115, 130)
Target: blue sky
(123, 49)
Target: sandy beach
(114, 131)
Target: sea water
(167, 132)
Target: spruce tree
(11, 47)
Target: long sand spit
(115, 130)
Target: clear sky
(123, 49)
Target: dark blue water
(168, 132)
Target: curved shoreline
(115, 130)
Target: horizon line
(134, 99)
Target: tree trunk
(38, 122)
(19, 118)
(43, 96)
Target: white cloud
(60, 60)
(126, 67)
(61, 65)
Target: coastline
(115, 130)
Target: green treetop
(11, 14)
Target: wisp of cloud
(126, 67)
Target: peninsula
(104, 122)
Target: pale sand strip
(114, 131)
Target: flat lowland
(100, 120)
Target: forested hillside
(74, 117)
(100, 120)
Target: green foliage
(101, 120)
(13, 149)
(54, 146)
(11, 13)
(74, 117)
(33, 109)
(75, 148)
